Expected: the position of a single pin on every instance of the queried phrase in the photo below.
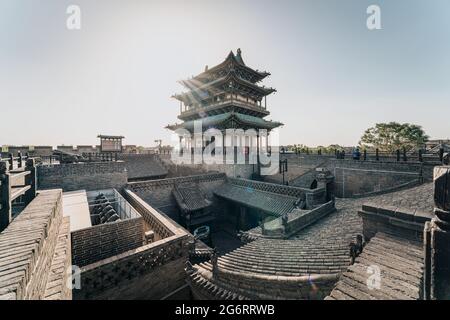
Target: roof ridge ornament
(239, 57)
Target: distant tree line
(392, 136)
(386, 137)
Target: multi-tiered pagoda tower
(226, 96)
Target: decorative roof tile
(400, 266)
(143, 166)
(272, 203)
(190, 197)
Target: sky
(116, 75)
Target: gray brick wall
(363, 178)
(106, 240)
(87, 176)
(151, 272)
(398, 221)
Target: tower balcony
(226, 105)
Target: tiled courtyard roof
(322, 248)
(272, 203)
(190, 197)
(143, 167)
(277, 269)
(287, 258)
(420, 197)
(400, 263)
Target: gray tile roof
(345, 223)
(400, 263)
(270, 202)
(143, 166)
(190, 197)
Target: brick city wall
(106, 240)
(403, 222)
(306, 160)
(87, 176)
(362, 178)
(358, 178)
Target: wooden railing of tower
(15, 184)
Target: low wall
(313, 196)
(149, 272)
(298, 220)
(106, 240)
(364, 178)
(269, 287)
(152, 271)
(306, 159)
(155, 221)
(83, 176)
(306, 180)
(244, 171)
(385, 164)
(402, 222)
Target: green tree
(393, 136)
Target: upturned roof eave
(230, 76)
(265, 124)
(231, 57)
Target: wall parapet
(405, 222)
(88, 176)
(170, 182)
(112, 272)
(297, 220)
(82, 168)
(263, 286)
(151, 271)
(111, 238)
(272, 187)
(27, 247)
(313, 197)
(365, 178)
(161, 225)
